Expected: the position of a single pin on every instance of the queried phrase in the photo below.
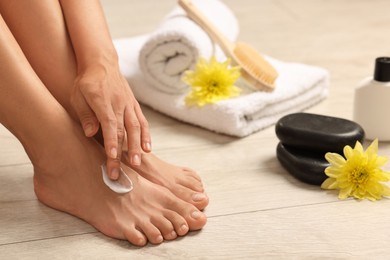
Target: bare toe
(197, 220)
(198, 199)
(183, 182)
(151, 232)
(135, 237)
(179, 223)
(166, 227)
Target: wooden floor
(257, 210)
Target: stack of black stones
(306, 138)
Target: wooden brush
(254, 68)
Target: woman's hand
(102, 95)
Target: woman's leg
(67, 175)
(46, 44)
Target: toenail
(173, 235)
(184, 228)
(141, 241)
(159, 239)
(196, 214)
(198, 197)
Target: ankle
(47, 142)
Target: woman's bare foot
(69, 179)
(181, 181)
(67, 173)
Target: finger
(88, 120)
(114, 164)
(133, 136)
(105, 114)
(144, 125)
(109, 128)
(125, 152)
(145, 134)
(124, 144)
(113, 168)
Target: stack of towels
(154, 64)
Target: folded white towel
(298, 87)
(178, 42)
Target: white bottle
(372, 102)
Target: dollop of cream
(122, 185)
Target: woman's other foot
(181, 181)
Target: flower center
(213, 87)
(358, 175)
(213, 83)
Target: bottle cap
(382, 69)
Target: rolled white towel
(299, 87)
(178, 42)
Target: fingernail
(88, 130)
(136, 160)
(115, 173)
(114, 153)
(196, 214)
(148, 146)
(198, 197)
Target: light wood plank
(11, 150)
(23, 221)
(338, 230)
(16, 183)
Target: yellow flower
(359, 175)
(211, 82)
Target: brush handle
(196, 15)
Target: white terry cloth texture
(298, 87)
(178, 42)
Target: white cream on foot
(122, 185)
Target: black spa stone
(306, 166)
(317, 132)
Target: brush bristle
(255, 69)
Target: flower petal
(345, 193)
(386, 190)
(333, 172)
(373, 148)
(348, 151)
(335, 158)
(358, 147)
(329, 184)
(381, 161)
